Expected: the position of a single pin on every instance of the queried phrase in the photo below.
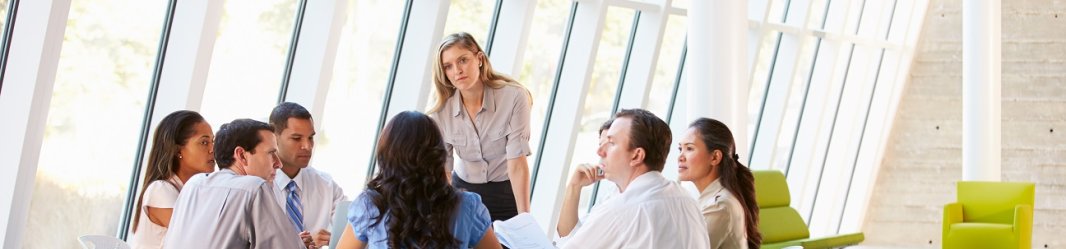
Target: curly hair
(411, 189)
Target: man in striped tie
(308, 196)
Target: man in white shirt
(234, 207)
(309, 197)
(651, 211)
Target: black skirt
(498, 197)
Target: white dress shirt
(226, 210)
(653, 212)
(319, 195)
(725, 217)
(158, 194)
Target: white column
(716, 65)
(413, 79)
(28, 80)
(564, 117)
(316, 50)
(981, 90)
(512, 31)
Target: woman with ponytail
(409, 203)
(708, 159)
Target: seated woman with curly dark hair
(409, 204)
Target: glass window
(662, 86)
(603, 87)
(248, 61)
(94, 119)
(809, 152)
(774, 98)
(3, 16)
(471, 16)
(845, 139)
(684, 4)
(353, 104)
(541, 61)
(794, 105)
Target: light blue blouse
(468, 227)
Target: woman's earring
(179, 156)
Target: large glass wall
(471, 16)
(817, 69)
(94, 119)
(541, 62)
(3, 17)
(248, 61)
(602, 89)
(353, 104)
(665, 76)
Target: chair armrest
(952, 215)
(834, 241)
(1023, 225)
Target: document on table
(522, 232)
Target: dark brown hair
(733, 175)
(241, 132)
(279, 117)
(411, 188)
(648, 132)
(172, 133)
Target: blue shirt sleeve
(361, 214)
(476, 217)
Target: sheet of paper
(522, 232)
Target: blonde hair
(489, 77)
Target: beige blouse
(724, 216)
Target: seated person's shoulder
(241, 182)
(468, 198)
(321, 175)
(195, 180)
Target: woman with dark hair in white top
(182, 146)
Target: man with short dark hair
(651, 211)
(234, 207)
(308, 196)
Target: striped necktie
(293, 207)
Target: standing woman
(727, 188)
(484, 117)
(183, 145)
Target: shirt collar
(177, 182)
(488, 101)
(712, 190)
(281, 180)
(644, 182)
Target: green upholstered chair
(990, 215)
(781, 226)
